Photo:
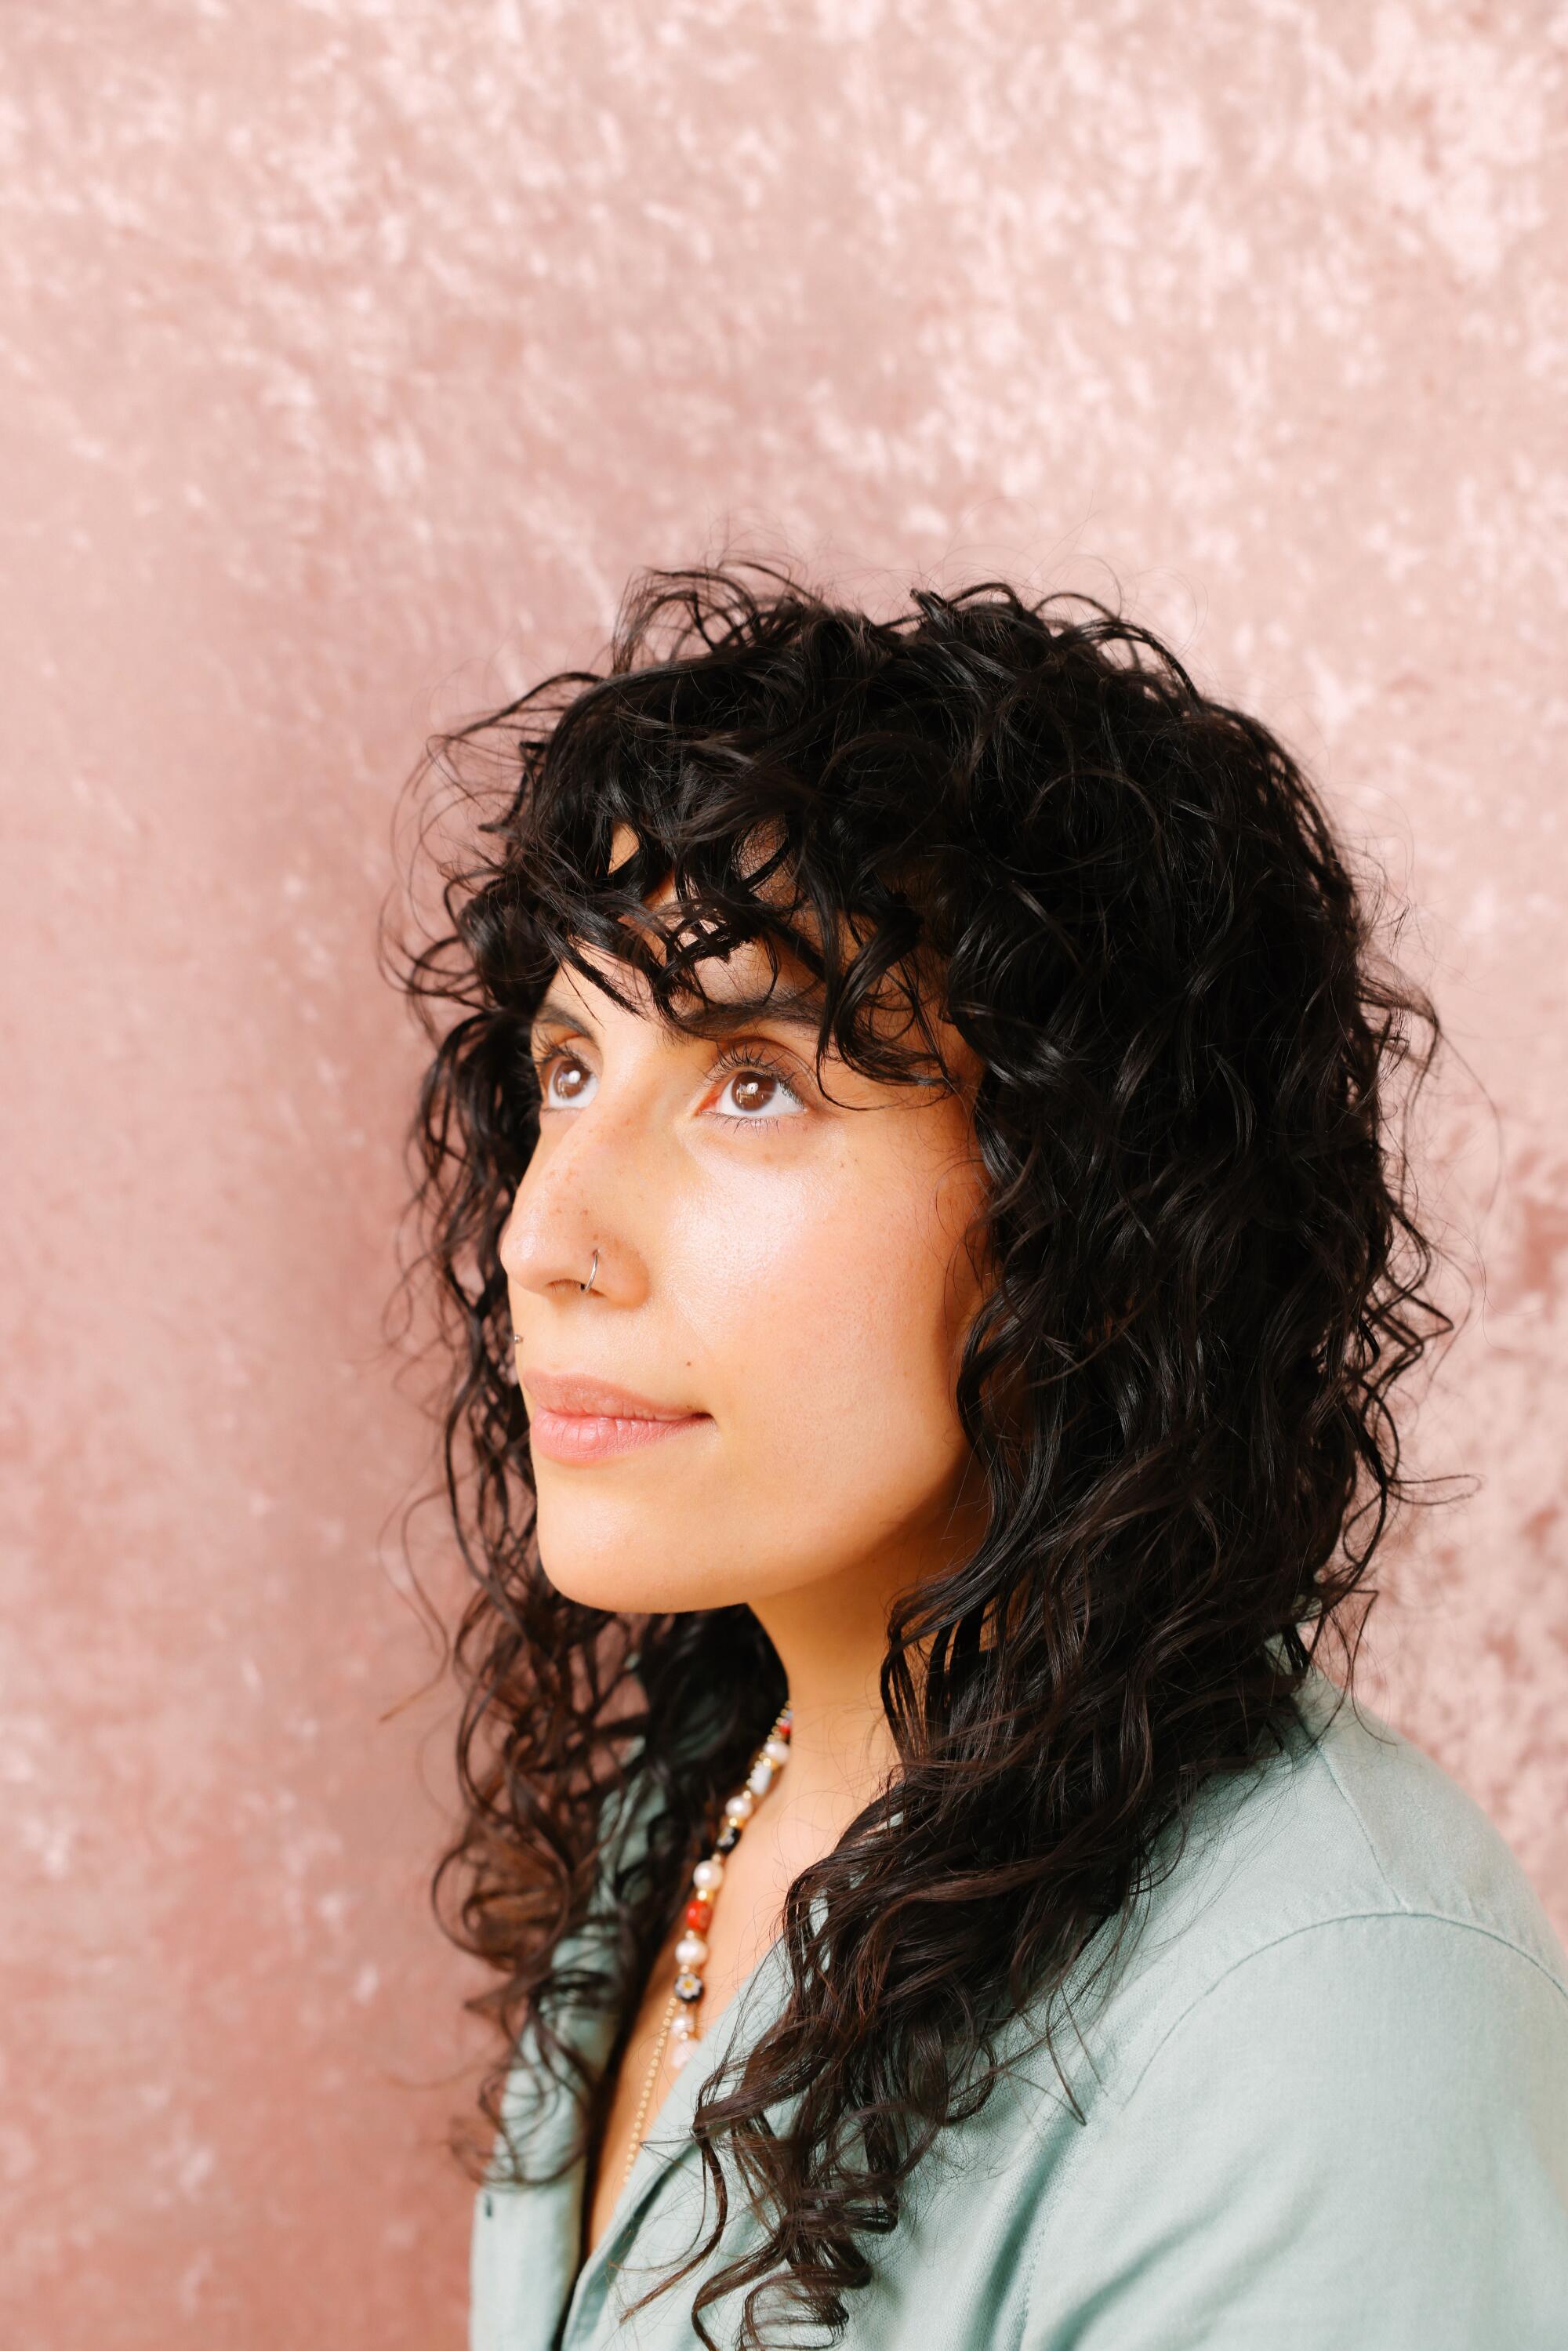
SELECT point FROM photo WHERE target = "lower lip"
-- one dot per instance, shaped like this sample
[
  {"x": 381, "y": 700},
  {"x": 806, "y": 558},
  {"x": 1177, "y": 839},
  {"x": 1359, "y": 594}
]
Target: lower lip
[{"x": 600, "y": 1436}]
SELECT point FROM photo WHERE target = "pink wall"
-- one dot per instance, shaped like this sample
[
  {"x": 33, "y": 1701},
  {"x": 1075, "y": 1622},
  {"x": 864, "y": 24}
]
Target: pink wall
[{"x": 353, "y": 354}]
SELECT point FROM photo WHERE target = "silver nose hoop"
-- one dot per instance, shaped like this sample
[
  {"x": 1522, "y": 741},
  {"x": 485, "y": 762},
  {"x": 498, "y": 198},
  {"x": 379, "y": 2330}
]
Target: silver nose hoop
[{"x": 593, "y": 1275}]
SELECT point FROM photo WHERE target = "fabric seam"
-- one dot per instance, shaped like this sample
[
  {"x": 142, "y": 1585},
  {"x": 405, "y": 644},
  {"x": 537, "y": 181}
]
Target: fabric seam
[
  {"x": 1275, "y": 1942},
  {"x": 1317, "y": 1926},
  {"x": 1356, "y": 1815}
]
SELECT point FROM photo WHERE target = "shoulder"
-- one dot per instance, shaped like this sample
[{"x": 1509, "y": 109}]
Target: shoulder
[
  {"x": 1330, "y": 2086},
  {"x": 1351, "y": 1862},
  {"x": 1352, "y": 1782}
]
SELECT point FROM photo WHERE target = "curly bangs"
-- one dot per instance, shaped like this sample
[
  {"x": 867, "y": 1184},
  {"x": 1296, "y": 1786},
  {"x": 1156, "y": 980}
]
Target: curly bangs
[{"x": 1206, "y": 1277}]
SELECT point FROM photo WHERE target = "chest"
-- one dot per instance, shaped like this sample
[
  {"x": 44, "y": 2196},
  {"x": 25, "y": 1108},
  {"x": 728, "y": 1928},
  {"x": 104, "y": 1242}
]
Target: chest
[
  {"x": 744, "y": 1926},
  {"x": 954, "y": 2275},
  {"x": 622, "y": 2130}
]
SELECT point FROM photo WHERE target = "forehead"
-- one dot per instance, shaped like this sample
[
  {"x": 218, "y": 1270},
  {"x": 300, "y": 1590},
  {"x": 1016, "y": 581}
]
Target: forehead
[
  {"x": 745, "y": 977},
  {"x": 736, "y": 986},
  {"x": 749, "y": 974}
]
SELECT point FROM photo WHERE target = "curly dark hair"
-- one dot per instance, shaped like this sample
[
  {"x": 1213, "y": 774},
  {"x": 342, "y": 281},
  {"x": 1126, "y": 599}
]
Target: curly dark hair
[{"x": 1208, "y": 1278}]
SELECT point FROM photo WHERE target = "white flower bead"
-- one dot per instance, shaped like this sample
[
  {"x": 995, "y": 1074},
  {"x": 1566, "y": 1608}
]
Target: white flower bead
[
  {"x": 709, "y": 1874},
  {"x": 761, "y": 1779}
]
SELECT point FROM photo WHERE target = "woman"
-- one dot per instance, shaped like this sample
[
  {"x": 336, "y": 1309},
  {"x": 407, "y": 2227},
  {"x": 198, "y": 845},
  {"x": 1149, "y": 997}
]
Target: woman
[{"x": 914, "y": 1180}]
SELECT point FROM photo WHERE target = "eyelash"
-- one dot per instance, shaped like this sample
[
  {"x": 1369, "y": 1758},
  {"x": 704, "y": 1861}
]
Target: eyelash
[{"x": 731, "y": 1057}]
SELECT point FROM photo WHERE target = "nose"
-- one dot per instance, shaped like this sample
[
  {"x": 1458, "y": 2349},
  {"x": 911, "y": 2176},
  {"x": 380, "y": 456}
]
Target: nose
[
  {"x": 551, "y": 1253},
  {"x": 573, "y": 1200}
]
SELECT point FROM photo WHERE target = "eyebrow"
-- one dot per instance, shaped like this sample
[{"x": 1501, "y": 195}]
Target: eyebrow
[{"x": 721, "y": 1018}]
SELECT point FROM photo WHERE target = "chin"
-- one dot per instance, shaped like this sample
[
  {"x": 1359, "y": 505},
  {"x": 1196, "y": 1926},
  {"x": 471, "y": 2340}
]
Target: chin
[
  {"x": 605, "y": 1560},
  {"x": 623, "y": 1589}
]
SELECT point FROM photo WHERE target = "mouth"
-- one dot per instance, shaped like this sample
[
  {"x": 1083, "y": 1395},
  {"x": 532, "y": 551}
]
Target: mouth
[{"x": 574, "y": 1418}]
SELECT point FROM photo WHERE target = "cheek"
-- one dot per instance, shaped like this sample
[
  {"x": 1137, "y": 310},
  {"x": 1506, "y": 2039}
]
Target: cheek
[
  {"x": 830, "y": 1327},
  {"x": 818, "y": 1312}
]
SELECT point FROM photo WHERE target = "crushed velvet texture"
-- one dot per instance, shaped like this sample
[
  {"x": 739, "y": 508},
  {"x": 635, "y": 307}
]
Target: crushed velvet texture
[{"x": 353, "y": 357}]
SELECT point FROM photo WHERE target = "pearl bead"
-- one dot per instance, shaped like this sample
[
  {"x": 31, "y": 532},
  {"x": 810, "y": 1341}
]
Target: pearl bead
[
  {"x": 691, "y": 1951},
  {"x": 776, "y": 1749},
  {"x": 741, "y": 1807},
  {"x": 709, "y": 1874},
  {"x": 681, "y": 2050}
]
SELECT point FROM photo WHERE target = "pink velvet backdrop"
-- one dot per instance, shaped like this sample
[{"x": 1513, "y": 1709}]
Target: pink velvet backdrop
[{"x": 353, "y": 355}]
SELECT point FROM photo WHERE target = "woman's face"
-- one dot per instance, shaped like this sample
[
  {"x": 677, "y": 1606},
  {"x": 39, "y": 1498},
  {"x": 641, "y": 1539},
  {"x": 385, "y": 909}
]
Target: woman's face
[{"x": 784, "y": 1274}]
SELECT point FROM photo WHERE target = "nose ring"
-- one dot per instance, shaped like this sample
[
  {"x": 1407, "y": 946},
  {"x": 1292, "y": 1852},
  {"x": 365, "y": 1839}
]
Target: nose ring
[{"x": 592, "y": 1276}]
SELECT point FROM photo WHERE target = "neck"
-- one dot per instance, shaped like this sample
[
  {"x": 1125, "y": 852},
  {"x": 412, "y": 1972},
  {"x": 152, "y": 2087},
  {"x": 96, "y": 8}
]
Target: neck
[{"x": 830, "y": 1639}]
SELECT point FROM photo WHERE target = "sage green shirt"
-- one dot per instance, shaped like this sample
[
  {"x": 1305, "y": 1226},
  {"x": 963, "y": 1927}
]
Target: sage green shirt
[{"x": 1325, "y": 2100}]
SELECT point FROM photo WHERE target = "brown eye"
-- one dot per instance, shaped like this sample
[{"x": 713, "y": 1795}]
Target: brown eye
[
  {"x": 563, "y": 1080},
  {"x": 761, "y": 1094},
  {"x": 752, "y": 1091}
]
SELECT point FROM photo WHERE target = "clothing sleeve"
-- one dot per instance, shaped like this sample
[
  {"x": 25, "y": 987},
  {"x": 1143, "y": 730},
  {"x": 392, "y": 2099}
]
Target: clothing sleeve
[{"x": 1356, "y": 2140}]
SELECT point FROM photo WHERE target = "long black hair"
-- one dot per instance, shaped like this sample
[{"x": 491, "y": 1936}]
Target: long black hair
[{"x": 1208, "y": 1278}]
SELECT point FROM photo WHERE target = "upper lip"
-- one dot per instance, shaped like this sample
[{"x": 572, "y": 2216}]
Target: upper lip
[{"x": 577, "y": 1392}]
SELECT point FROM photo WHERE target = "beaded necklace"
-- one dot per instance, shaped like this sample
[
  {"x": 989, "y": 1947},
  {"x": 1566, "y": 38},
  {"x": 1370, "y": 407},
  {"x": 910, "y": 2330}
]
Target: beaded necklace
[{"x": 692, "y": 1950}]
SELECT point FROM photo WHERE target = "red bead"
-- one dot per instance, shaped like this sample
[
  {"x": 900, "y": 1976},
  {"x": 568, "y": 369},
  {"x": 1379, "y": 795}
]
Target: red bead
[{"x": 698, "y": 1912}]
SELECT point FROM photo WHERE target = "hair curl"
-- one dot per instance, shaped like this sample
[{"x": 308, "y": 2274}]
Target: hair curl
[{"x": 1208, "y": 1279}]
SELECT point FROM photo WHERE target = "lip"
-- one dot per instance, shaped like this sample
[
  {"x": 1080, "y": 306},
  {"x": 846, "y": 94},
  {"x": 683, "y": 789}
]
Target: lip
[{"x": 573, "y": 1416}]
